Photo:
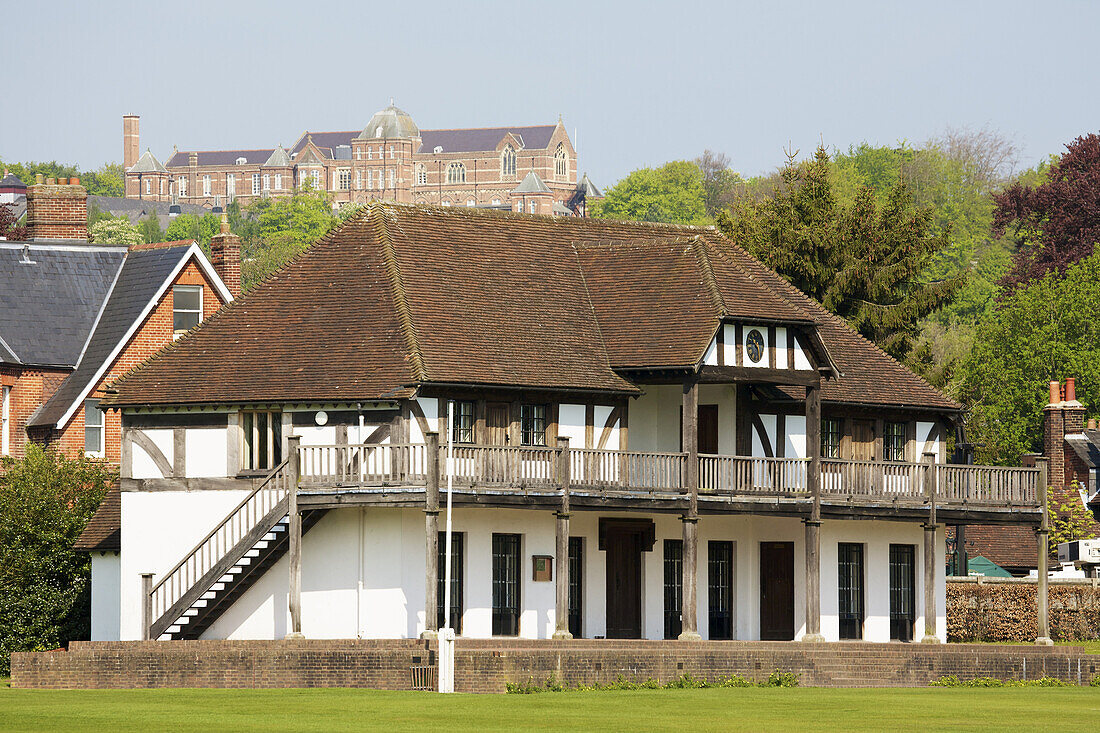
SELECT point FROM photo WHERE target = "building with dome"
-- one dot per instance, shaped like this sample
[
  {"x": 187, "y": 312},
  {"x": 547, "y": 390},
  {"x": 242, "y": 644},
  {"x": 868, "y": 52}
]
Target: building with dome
[{"x": 531, "y": 169}]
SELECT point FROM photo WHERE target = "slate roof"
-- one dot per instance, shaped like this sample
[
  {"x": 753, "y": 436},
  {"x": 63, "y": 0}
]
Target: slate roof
[
  {"x": 531, "y": 183},
  {"x": 143, "y": 274},
  {"x": 588, "y": 188},
  {"x": 137, "y": 209},
  {"x": 147, "y": 163},
  {"x": 391, "y": 122},
  {"x": 47, "y": 308},
  {"x": 1087, "y": 446},
  {"x": 104, "y": 530},
  {"x": 181, "y": 159},
  {"x": 401, "y": 296},
  {"x": 327, "y": 140},
  {"x": 12, "y": 181},
  {"x": 278, "y": 158},
  {"x": 484, "y": 138}
]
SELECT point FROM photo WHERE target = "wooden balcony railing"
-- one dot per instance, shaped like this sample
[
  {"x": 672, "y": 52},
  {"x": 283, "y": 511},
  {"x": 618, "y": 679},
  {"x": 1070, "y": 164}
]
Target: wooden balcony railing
[{"x": 536, "y": 468}]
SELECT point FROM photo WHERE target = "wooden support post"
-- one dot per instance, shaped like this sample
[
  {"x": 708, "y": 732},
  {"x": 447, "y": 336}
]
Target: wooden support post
[
  {"x": 431, "y": 538},
  {"x": 146, "y": 605},
  {"x": 1042, "y": 536},
  {"x": 561, "y": 557},
  {"x": 813, "y": 523},
  {"x": 690, "y": 520},
  {"x": 929, "y": 477},
  {"x": 295, "y": 539}
]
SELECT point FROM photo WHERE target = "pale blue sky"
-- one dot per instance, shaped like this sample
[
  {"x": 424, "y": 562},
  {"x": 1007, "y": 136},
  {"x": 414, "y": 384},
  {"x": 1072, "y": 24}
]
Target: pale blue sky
[{"x": 642, "y": 82}]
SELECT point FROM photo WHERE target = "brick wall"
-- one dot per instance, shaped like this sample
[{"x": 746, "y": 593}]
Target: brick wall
[
  {"x": 57, "y": 211},
  {"x": 486, "y": 665},
  {"x": 29, "y": 388},
  {"x": 1005, "y": 609}
]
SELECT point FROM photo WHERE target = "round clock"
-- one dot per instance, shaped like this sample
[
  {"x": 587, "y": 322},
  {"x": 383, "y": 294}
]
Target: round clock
[
  {"x": 321, "y": 417},
  {"x": 754, "y": 346}
]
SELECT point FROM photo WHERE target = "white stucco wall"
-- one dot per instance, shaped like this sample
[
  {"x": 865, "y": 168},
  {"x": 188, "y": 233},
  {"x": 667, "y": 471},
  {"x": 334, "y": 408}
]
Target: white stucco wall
[
  {"x": 206, "y": 452},
  {"x": 143, "y": 464},
  {"x": 571, "y": 424},
  {"x": 655, "y": 417},
  {"x": 106, "y": 598},
  {"x": 363, "y": 569}
]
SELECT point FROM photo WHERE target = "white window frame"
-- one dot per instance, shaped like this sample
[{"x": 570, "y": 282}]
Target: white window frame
[
  {"x": 182, "y": 185},
  {"x": 162, "y": 187},
  {"x": 369, "y": 153},
  {"x": 278, "y": 181},
  {"x": 255, "y": 184},
  {"x": 206, "y": 184},
  {"x": 456, "y": 173},
  {"x": 230, "y": 184},
  {"x": 358, "y": 179},
  {"x": 343, "y": 176},
  {"x": 267, "y": 181},
  {"x": 532, "y": 207},
  {"x": 508, "y": 163},
  {"x": 315, "y": 176},
  {"x": 91, "y": 409},
  {"x": 393, "y": 178},
  {"x": 5, "y": 420},
  {"x": 148, "y": 187},
  {"x": 561, "y": 161},
  {"x": 191, "y": 290},
  {"x": 421, "y": 174}
]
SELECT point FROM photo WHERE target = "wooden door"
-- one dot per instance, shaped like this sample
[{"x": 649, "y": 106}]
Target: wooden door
[
  {"x": 498, "y": 422},
  {"x": 777, "y": 591},
  {"x": 863, "y": 440},
  {"x": 624, "y": 583},
  {"x": 708, "y": 429}
]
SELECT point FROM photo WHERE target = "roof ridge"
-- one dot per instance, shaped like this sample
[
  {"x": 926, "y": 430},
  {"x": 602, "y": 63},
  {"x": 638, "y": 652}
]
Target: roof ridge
[
  {"x": 698, "y": 246},
  {"x": 393, "y": 269},
  {"x": 509, "y": 128}
]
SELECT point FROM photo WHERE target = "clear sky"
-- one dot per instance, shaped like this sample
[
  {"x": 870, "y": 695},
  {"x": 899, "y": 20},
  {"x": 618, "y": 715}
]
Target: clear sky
[{"x": 641, "y": 82}]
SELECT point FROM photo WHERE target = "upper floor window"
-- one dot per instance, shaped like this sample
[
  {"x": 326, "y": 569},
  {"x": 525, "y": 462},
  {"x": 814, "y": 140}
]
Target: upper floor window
[
  {"x": 393, "y": 178},
  {"x": 315, "y": 176},
  {"x": 421, "y": 174},
  {"x": 93, "y": 428},
  {"x": 162, "y": 187},
  {"x": 358, "y": 179},
  {"x": 182, "y": 186},
  {"x": 561, "y": 161},
  {"x": 148, "y": 187},
  {"x": 391, "y": 152},
  {"x": 369, "y": 153},
  {"x": 456, "y": 173},
  {"x": 255, "y": 184},
  {"x": 230, "y": 184},
  {"x": 532, "y": 425},
  {"x": 893, "y": 441},
  {"x": 533, "y": 207},
  {"x": 241, "y": 161},
  {"x": 463, "y": 426},
  {"x": 261, "y": 440},
  {"x": 345, "y": 179},
  {"x": 206, "y": 185},
  {"x": 267, "y": 182},
  {"x": 508, "y": 162},
  {"x": 5, "y": 420},
  {"x": 830, "y": 437},
  {"x": 278, "y": 181},
  {"x": 186, "y": 307}
]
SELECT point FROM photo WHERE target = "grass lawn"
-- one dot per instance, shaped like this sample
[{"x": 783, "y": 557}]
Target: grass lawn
[{"x": 799, "y": 709}]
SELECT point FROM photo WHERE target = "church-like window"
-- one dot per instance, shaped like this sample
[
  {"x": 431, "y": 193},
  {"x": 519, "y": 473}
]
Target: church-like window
[
  {"x": 508, "y": 162},
  {"x": 456, "y": 173},
  {"x": 421, "y": 174},
  {"x": 561, "y": 162}
]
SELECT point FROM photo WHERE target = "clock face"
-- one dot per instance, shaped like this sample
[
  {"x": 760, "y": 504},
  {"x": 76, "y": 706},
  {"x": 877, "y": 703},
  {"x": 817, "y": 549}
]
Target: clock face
[{"x": 754, "y": 346}]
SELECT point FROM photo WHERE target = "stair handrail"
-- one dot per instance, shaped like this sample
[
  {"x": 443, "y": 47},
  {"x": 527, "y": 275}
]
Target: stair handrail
[{"x": 251, "y": 510}]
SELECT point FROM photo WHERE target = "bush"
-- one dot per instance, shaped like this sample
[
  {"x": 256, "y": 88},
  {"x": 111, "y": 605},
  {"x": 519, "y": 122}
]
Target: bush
[
  {"x": 683, "y": 682},
  {"x": 46, "y": 501},
  {"x": 952, "y": 680}
]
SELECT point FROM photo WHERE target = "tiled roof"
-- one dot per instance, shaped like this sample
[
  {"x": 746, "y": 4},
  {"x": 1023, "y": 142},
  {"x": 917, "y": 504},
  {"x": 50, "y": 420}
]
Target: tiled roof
[
  {"x": 1010, "y": 546},
  {"x": 147, "y": 163},
  {"x": 12, "y": 181},
  {"x": 531, "y": 183},
  {"x": 142, "y": 276},
  {"x": 484, "y": 138},
  {"x": 47, "y": 308},
  {"x": 182, "y": 158},
  {"x": 325, "y": 139},
  {"x": 104, "y": 530},
  {"x": 403, "y": 295}
]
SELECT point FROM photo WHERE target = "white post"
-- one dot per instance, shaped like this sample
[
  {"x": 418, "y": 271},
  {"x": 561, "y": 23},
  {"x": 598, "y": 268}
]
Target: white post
[{"x": 447, "y": 634}]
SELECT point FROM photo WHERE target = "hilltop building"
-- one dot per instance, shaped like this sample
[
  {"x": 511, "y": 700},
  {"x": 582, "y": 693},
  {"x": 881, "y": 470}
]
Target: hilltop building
[{"x": 520, "y": 168}]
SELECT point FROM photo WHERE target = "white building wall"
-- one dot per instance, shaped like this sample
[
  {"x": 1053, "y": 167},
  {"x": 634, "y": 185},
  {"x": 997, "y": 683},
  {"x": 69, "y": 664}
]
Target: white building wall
[
  {"x": 206, "y": 453},
  {"x": 654, "y": 423},
  {"x": 106, "y": 596},
  {"x": 571, "y": 424},
  {"x": 363, "y": 569}
]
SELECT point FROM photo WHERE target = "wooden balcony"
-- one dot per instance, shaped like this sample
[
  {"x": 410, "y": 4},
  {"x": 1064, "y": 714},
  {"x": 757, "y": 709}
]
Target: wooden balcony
[{"x": 522, "y": 475}]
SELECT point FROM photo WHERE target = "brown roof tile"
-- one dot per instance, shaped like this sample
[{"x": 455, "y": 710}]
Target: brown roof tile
[
  {"x": 104, "y": 530},
  {"x": 404, "y": 295}
]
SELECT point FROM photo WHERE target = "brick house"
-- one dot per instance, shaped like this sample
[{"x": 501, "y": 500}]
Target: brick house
[
  {"x": 653, "y": 435},
  {"x": 1072, "y": 449},
  {"x": 520, "y": 168},
  {"x": 76, "y": 315}
]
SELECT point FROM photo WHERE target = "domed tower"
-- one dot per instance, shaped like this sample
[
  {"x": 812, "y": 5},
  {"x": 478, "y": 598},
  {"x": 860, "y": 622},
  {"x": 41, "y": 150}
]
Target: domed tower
[{"x": 382, "y": 155}]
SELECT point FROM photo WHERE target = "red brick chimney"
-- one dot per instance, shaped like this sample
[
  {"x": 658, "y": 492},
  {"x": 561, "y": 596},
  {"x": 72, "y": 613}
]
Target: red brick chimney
[
  {"x": 130, "y": 141},
  {"x": 225, "y": 255},
  {"x": 57, "y": 209},
  {"x": 1063, "y": 416}
]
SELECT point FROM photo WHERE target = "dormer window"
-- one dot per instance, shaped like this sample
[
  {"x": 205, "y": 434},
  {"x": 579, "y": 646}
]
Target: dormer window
[
  {"x": 241, "y": 160},
  {"x": 508, "y": 162}
]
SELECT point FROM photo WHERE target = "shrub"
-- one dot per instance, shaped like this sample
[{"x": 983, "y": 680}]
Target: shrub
[
  {"x": 952, "y": 680},
  {"x": 45, "y": 590}
]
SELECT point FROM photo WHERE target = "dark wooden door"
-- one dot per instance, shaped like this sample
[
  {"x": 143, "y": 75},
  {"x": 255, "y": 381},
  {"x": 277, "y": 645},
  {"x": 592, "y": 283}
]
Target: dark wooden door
[
  {"x": 708, "y": 429},
  {"x": 863, "y": 440},
  {"x": 624, "y": 584},
  {"x": 777, "y": 591}
]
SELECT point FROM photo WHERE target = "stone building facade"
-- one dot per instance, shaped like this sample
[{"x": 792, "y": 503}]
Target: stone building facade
[{"x": 531, "y": 169}]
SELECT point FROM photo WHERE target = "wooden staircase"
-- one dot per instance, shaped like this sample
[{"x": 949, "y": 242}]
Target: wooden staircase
[{"x": 228, "y": 561}]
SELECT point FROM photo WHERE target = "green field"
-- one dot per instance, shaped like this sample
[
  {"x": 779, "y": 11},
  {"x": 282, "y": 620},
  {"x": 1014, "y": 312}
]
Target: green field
[{"x": 265, "y": 711}]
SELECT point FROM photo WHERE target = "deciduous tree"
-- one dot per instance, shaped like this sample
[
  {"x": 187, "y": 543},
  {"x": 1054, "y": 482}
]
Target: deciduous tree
[
  {"x": 115, "y": 231},
  {"x": 672, "y": 194}
]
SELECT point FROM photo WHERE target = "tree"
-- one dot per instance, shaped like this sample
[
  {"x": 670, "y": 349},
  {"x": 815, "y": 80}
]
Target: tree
[
  {"x": 9, "y": 228},
  {"x": 107, "y": 180},
  {"x": 274, "y": 230},
  {"x": 115, "y": 231},
  {"x": 1058, "y": 219},
  {"x": 1046, "y": 330},
  {"x": 720, "y": 182},
  {"x": 150, "y": 229},
  {"x": 673, "y": 194},
  {"x": 46, "y": 501},
  {"x": 192, "y": 226},
  {"x": 1069, "y": 519},
  {"x": 863, "y": 261}
]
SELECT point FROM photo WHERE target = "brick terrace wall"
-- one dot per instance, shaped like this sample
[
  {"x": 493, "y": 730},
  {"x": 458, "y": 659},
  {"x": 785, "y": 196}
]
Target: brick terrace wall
[
  {"x": 1005, "y": 609},
  {"x": 486, "y": 665},
  {"x": 30, "y": 388}
]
